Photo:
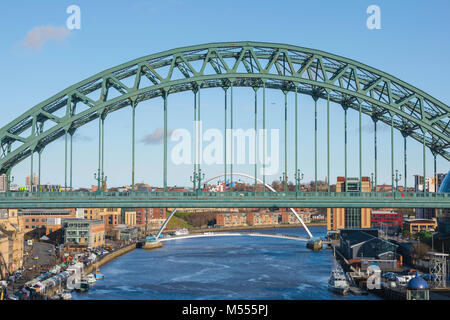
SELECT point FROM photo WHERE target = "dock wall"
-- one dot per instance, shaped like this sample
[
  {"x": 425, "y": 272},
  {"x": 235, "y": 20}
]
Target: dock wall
[{"x": 109, "y": 257}]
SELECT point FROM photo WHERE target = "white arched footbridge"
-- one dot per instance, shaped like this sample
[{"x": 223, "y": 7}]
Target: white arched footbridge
[
  {"x": 234, "y": 234},
  {"x": 241, "y": 175}
]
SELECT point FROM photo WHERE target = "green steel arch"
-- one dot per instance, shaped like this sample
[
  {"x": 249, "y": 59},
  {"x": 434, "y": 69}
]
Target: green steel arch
[{"x": 246, "y": 64}]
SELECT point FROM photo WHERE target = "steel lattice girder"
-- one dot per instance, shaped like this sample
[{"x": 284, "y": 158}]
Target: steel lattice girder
[{"x": 245, "y": 64}]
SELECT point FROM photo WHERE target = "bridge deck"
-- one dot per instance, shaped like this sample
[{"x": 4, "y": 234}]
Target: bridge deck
[{"x": 223, "y": 200}]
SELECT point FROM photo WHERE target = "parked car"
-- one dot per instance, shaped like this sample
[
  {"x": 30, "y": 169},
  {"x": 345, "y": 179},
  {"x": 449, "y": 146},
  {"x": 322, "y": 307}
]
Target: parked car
[
  {"x": 404, "y": 279},
  {"x": 390, "y": 276}
]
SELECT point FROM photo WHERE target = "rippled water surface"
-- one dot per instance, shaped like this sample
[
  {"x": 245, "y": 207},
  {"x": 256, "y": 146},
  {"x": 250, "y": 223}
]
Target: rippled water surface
[{"x": 221, "y": 268}]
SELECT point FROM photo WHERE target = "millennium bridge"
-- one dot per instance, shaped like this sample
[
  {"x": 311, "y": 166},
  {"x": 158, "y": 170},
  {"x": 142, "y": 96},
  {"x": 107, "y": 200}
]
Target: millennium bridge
[{"x": 233, "y": 234}]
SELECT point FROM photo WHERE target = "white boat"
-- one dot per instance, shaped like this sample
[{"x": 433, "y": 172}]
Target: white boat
[
  {"x": 338, "y": 283},
  {"x": 90, "y": 278},
  {"x": 181, "y": 232}
]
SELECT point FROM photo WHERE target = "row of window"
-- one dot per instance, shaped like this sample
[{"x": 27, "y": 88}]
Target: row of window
[{"x": 35, "y": 220}]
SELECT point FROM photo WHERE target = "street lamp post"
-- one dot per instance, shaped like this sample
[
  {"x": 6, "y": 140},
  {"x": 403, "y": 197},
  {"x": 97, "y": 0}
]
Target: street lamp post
[
  {"x": 298, "y": 178},
  {"x": 197, "y": 179},
  {"x": 283, "y": 181},
  {"x": 398, "y": 177},
  {"x": 374, "y": 187},
  {"x": 101, "y": 179},
  {"x": 193, "y": 180}
]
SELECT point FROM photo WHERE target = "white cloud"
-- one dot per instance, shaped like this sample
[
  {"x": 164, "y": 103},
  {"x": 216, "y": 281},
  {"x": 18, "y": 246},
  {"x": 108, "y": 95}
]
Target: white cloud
[
  {"x": 38, "y": 36},
  {"x": 156, "y": 137}
]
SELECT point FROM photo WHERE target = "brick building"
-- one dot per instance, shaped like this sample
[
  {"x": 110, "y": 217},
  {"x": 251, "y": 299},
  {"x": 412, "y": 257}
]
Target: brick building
[
  {"x": 231, "y": 219},
  {"x": 386, "y": 218},
  {"x": 37, "y": 218},
  {"x": 262, "y": 218}
]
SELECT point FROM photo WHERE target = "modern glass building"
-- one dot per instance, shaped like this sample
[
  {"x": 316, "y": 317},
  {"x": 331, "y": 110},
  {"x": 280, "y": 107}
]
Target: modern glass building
[
  {"x": 444, "y": 219},
  {"x": 445, "y": 186}
]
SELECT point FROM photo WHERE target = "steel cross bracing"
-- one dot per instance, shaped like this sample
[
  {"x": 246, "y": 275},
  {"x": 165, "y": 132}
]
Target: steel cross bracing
[{"x": 246, "y": 64}]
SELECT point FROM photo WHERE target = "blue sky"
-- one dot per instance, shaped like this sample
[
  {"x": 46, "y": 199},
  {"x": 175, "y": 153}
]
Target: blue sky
[{"x": 412, "y": 45}]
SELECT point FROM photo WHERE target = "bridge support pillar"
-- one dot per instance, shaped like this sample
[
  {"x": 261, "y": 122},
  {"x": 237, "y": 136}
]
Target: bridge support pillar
[
  {"x": 296, "y": 174},
  {"x": 328, "y": 140},
  {"x": 392, "y": 150},
  {"x": 165, "y": 141},
  {"x": 375, "y": 151},
  {"x": 256, "y": 138},
  {"x": 360, "y": 150},
  {"x": 424, "y": 164},
  {"x": 264, "y": 136},
  {"x": 315, "y": 143},
  {"x": 345, "y": 146}
]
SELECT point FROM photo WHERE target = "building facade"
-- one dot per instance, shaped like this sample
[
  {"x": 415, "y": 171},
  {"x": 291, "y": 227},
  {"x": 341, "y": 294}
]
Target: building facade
[
  {"x": 37, "y": 218},
  {"x": 386, "y": 218},
  {"x": 84, "y": 232},
  {"x": 231, "y": 219},
  {"x": 419, "y": 225},
  {"x": 262, "y": 218},
  {"x": 348, "y": 218},
  {"x": 130, "y": 218},
  {"x": 3, "y": 183},
  {"x": 11, "y": 242},
  {"x": 432, "y": 185},
  {"x": 53, "y": 224}
]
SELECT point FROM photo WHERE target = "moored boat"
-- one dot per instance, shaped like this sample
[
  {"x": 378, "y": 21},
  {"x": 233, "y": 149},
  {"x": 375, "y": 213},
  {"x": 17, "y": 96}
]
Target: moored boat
[
  {"x": 90, "y": 278},
  {"x": 83, "y": 285},
  {"x": 338, "y": 283},
  {"x": 181, "y": 232}
]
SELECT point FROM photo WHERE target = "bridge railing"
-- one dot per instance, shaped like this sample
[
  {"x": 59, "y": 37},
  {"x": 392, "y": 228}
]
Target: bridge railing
[{"x": 221, "y": 195}]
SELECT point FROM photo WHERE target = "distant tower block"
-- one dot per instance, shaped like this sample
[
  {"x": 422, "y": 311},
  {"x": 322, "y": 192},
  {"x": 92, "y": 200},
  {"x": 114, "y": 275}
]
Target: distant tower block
[{"x": 438, "y": 269}]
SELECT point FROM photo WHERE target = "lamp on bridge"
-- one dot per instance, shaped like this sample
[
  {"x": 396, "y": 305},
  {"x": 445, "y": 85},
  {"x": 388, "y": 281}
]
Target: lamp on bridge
[
  {"x": 397, "y": 178},
  {"x": 372, "y": 182},
  {"x": 101, "y": 181},
  {"x": 198, "y": 177},
  {"x": 298, "y": 178},
  {"x": 283, "y": 181}
]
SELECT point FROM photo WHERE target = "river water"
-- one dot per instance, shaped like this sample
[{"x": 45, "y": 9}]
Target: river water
[{"x": 221, "y": 268}]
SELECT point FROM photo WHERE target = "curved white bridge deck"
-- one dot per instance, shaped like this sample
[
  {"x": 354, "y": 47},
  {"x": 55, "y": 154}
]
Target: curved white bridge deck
[{"x": 233, "y": 234}]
